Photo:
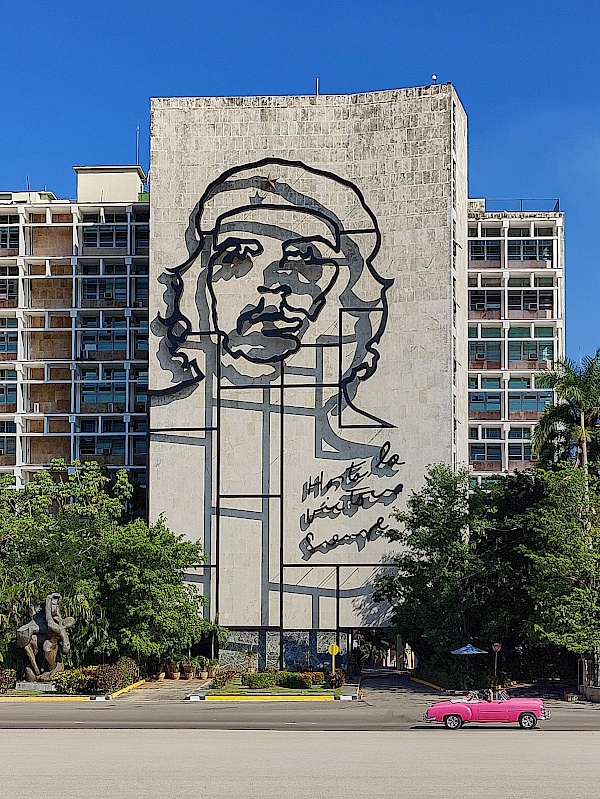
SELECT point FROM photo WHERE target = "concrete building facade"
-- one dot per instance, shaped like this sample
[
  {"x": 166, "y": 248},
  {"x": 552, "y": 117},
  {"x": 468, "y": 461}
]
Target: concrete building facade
[
  {"x": 74, "y": 324},
  {"x": 308, "y": 345},
  {"x": 516, "y": 328}
]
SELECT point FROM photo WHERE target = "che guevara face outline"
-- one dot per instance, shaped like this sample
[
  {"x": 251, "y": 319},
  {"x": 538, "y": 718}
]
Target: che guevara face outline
[{"x": 267, "y": 283}]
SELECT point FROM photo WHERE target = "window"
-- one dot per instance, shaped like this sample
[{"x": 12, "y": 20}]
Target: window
[
  {"x": 102, "y": 393},
  {"x": 519, "y": 432},
  {"x": 517, "y": 232},
  {"x": 115, "y": 322},
  {"x": 473, "y": 331},
  {"x": 484, "y": 250},
  {"x": 519, "y": 382},
  {"x": 492, "y": 432},
  {"x": 8, "y": 289},
  {"x": 115, "y": 269},
  {"x": 105, "y": 289},
  {"x": 473, "y": 232},
  {"x": 103, "y": 341},
  {"x": 8, "y": 269},
  {"x": 115, "y": 217},
  {"x": 8, "y": 445},
  {"x": 544, "y": 231},
  {"x": 484, "y": 402},
  {"x": 490, "y": 382},
  {"x": 8, "y": 321},
  {"x": 484, "y": 300},
  {"x": 105, "y": 445},
  {"x": 105, "y": 236},
  {"x": 140, "y": 342},
  {"x": 491, "y": 280},
  {"x": 88, "y": 425},
  {"x": 491, "y": 231},
  {"x": 472, "y": 280},
  {"x": 485, "y": 452},
  {"x": 473, "y": 432},
  {"x": 529, "y": 401},
  {"x": 491, "y": 332},
  {"x": 8, "y": 427},
  {"x": 141, "y": 288},
  {"x": 530, "y": 350},
  {"x": 519, "y": 452},
  {"x": 484, "y": 351},
  {"x": 8, "y": 394},
  {"x": 9, "y": 219},
  {"x": 543, "y": 332},
  {"x": 142, "y": 236},
  {"x": 139, "y": 426},
  {"x": 140, "y": 446},
  {"x": 519, "y": 332},
  {"x": 531, "y": 250},
  {"x": 8, "y": 342},
  {"x": 113, "y": 426},
  {"x": 518, "y": 281},
  {"x": 9, "y": 238},
  {"x": 8, "y": 374},
  {"x": 88, "y": 268},
  {"x": 543, "y": 281},
  {"x": 530, "y": 300},
  {"x": 473, "y": 382}
]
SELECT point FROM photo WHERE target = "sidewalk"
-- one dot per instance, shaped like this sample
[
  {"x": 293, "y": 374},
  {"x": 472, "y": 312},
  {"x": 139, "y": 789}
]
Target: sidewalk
[{"x": 159, "y": 690}]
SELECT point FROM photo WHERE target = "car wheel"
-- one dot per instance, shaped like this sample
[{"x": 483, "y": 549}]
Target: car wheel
[
  {"x": 453, "y": 722},
  {"x": 527, "y": 721}
]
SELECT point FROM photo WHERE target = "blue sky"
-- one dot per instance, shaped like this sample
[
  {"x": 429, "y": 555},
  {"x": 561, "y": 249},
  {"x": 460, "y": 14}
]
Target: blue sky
[{"x": 78, "y": 75}]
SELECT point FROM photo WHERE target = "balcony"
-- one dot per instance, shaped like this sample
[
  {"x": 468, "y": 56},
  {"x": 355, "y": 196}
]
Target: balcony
[
  {"x": 488, "y": 365},
  {"x": 104, "y": 460},
  {"x": 486, "y": 466},
  {"x": 524, "y": 416},
  {"x": 486, "y": 314},
  {"x": 8, "y": 407},
  {"x": 520, "y": 466},
  {"x": 8, "y": 356},
  {"x": 9, "y": 252},
  {"x": 103, "y": 355},
  {"x": 483, "y": 415},
  {"x": 485, "y": 265},
  {"x": 527, "y": 314},
  {"x": 538, "y": 365}
]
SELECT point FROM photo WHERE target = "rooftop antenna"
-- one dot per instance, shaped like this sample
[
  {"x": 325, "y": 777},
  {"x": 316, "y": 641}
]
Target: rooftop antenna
[
  {"x": 317, "y": 87},
  {"x": 137, "y": 143},
  {"x": 28, "y": 188},
  {"x": 434, "y": 79}
]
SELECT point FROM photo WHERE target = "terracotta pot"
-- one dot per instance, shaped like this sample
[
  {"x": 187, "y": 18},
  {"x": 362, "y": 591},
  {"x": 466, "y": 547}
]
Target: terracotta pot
[
  {"x": 159, "y": 676},
  {"x": 172, "y": 675},
  {"x": 204, "y": 675}
]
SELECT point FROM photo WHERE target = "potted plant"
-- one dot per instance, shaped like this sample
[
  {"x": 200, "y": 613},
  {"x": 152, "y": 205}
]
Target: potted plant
[
  {"x": 189, "y": 667},
  {"x": 202, "y": 667},
  {"x": 213, "y": 667},
  {"x": 173, "y": 672}
]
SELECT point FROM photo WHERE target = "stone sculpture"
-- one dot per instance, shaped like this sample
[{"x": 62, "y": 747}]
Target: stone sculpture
[{"x": 47, "y": 631}]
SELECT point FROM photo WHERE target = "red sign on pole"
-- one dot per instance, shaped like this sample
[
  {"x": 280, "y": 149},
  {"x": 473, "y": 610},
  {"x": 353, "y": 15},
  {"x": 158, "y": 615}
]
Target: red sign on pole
[{"x": 496, "y": 647}]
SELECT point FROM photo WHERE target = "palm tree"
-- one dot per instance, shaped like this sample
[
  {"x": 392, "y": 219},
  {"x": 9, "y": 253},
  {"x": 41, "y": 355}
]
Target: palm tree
[{"x": 570, "y": 428}]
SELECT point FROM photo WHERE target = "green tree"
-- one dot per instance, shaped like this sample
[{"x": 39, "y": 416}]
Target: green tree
[
  {"x": 565, "y": 585},
  {"x": 122, "y": 580},
  {"x": 570, "y": 428}
]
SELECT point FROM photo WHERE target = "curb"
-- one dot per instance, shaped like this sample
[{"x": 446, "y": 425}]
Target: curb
[
  {"x": 266, "y": 698},
  {"x": 127, "y": 688},
  {"x": 428, "y": 684},
  {"x": 49, "y": 698}
]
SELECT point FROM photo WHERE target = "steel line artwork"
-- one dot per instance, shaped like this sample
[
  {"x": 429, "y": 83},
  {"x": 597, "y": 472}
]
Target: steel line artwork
[{"x": 281, "y": 263}]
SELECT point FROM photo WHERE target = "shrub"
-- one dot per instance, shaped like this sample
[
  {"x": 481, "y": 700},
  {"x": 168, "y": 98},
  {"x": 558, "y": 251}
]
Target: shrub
[
  {"x": 109, "y": 678},
  {"x": 337, "y": 678},
  {"x": 74, "y": 681},
  {"x": 293, "y": 679},
  {"x": 223, "y": 677},
  {"x": 263, "y": 679},
  {"x": 7, "y": 679}
]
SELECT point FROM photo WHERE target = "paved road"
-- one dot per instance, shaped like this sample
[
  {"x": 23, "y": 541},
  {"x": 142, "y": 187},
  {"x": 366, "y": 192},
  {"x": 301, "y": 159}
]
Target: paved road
[
  {"x": 391, "y": 703},
  {"x": 180, "y": 764}
]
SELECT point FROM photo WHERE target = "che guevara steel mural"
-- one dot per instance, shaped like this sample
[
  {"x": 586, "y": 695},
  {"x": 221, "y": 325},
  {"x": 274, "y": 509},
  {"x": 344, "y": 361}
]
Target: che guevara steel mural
[{"x": 279, "y": 309}]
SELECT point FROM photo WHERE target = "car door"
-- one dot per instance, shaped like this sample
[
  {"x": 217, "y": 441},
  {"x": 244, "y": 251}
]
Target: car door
[{"x": 496, "y": 710}]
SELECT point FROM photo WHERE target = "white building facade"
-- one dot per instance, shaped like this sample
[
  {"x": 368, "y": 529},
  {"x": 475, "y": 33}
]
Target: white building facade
[{"x": 308, "y": 345}]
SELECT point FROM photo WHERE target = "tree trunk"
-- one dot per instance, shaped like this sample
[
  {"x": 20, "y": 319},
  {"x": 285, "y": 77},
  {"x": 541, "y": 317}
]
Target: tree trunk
[{"x": 584, "y": 454}]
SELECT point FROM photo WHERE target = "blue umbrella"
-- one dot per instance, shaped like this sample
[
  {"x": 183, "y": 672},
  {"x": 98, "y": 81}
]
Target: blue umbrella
[{"x": 469, "y": 649}]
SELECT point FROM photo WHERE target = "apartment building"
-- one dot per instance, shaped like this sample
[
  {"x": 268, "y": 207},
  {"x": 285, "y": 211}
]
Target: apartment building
[
  {"x": 516, "y": 328},
  {"x": 74, "y": 324}
]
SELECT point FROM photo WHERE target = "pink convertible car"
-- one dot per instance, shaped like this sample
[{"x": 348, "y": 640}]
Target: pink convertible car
[{"x": 456, "y": 712}]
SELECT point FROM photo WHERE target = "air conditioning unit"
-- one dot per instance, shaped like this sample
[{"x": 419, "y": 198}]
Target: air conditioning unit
[
  {"x": 531, "y": 306},
  {"x": 36, "y": 407},
  {"x": 532, "y": 356},
  {"x": 480, "y": 306},
  {"x": 480, "y": 356},
  {"x": 108, "y": 295},
  {"x": 110, "y": 407}
]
